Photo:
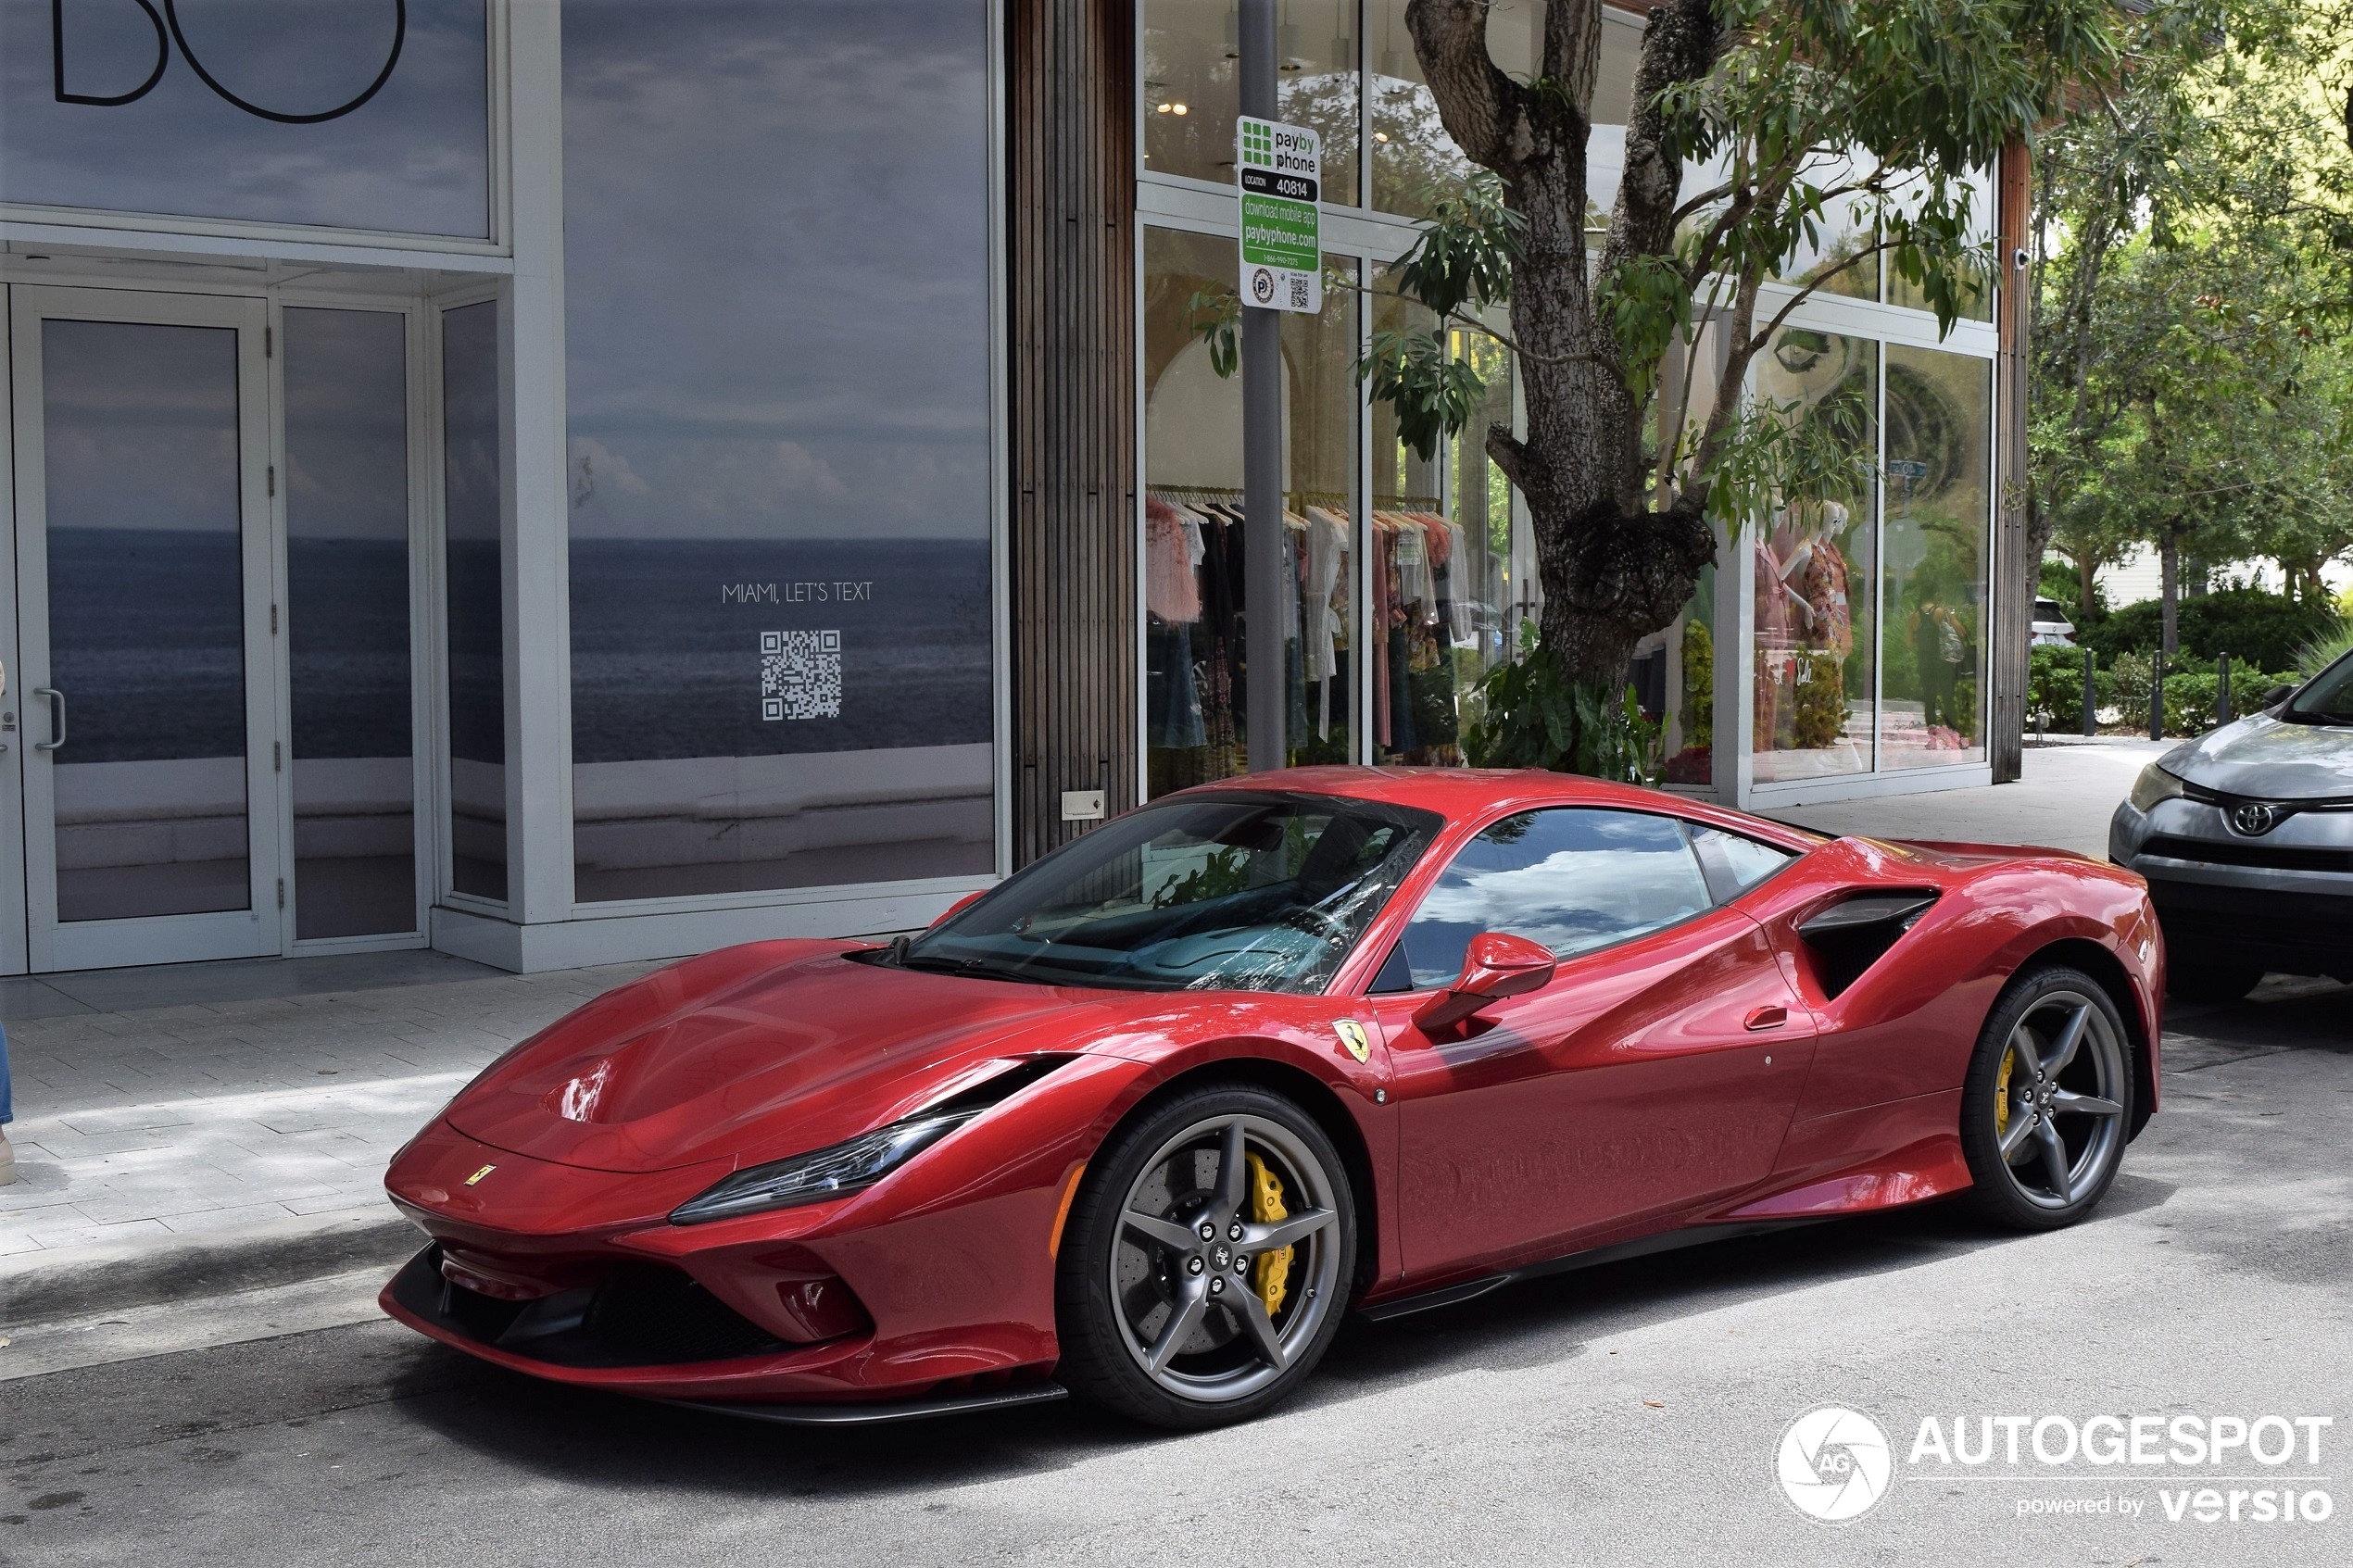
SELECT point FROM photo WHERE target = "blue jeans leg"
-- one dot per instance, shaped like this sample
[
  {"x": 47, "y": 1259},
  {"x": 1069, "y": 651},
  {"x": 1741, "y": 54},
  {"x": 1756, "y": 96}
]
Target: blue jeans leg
[{"x": 8, "y": 1111}]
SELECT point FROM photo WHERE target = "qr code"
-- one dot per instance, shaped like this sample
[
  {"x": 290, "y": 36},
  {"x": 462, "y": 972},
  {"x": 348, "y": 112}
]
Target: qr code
[
  {"x": 801, "y": 675},
  {"x": 1299, "y": 292}
]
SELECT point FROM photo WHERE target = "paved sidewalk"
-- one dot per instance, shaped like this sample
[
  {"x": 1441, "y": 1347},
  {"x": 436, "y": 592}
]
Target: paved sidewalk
[
  {"x": 141, "y": 1122},
  {"x": 2064, "y": 801}
]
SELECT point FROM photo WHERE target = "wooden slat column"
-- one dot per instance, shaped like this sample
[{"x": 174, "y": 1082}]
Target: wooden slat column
[
  {"x": 2016, "y": 579},
  {"x": 1070, "y": 227}
]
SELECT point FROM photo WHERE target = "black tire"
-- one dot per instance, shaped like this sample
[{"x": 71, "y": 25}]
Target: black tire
[
  {"x": 2086, "y": 1103},
  {"x": 2210, "y": 979},
  {"x": 1120, "y": 1292}
]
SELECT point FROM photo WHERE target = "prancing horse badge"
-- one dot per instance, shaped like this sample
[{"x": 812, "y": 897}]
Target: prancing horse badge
[{"x": 1351, "y": 1035}]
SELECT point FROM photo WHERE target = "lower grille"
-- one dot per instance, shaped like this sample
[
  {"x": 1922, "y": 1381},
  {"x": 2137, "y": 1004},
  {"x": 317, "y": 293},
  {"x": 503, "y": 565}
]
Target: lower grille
[
  {"x": 638, "y": 1316},
  {"x": 2265, "y": 857}
]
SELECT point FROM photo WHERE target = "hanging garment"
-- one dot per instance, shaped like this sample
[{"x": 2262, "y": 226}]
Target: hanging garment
[
  {"x": 1172, "y": 587},
  {"x": 1461, "y": 592},
  {"x": 1326, "y": 622},
  {"x": 1416, "y": 586},
  {"x": 1173, "y": 716}
]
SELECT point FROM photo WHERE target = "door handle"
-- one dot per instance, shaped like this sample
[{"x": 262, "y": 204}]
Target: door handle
[
  {"x": 56, "y": 719},
  {"x": 1766, "y": 1018}
]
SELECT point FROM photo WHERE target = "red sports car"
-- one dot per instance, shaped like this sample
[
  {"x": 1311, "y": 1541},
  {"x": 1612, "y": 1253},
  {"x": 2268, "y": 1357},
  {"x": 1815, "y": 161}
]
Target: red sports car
[{"x": 1146, "y": 1120}]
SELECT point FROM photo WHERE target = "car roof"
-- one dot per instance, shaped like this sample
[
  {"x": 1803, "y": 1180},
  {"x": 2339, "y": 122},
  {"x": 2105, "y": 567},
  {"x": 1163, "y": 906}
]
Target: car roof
[{"x": 1459, "y": 793}]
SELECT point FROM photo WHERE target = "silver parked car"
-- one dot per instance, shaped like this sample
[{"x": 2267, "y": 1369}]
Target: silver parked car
[{"x": 2245, "y": 837}]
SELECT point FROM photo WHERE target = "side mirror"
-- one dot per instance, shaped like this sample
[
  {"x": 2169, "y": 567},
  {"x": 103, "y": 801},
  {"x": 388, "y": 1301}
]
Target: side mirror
[
  {"x": 1495, "y": 966},
  {"x": 2276, "y": 695}
]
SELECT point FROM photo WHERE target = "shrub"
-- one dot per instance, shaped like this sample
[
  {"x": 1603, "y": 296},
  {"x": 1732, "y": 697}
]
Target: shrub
[
  {"x": 2254, "y": 627},
  {"x": 2054, "y": 687}
]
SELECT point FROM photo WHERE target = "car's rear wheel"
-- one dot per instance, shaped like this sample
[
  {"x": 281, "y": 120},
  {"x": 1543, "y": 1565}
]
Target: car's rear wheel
[
  {"x": 2210, "y": 979},
  {"x": 2047, "y": 1107},
  {"x": 1207, "y": 1260}
]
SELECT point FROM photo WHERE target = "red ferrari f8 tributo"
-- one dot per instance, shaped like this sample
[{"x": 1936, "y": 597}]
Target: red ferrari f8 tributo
[{"x": 1148, "y": 1119}]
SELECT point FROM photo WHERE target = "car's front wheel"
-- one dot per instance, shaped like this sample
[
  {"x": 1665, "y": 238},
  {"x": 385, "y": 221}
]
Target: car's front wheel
[
  {"x": 2047, "y": 1107},
  {"x": 1207, "y": 1260}
]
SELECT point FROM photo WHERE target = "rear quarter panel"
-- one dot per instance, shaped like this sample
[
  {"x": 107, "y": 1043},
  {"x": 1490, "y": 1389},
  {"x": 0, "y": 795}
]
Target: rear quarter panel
[{"x": 1907, "y": 1027}]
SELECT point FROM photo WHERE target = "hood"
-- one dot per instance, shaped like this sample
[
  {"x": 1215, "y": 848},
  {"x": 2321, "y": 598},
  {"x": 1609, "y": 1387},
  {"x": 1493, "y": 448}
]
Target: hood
[
  {"x": 752, "y": 1054},
  {"x": 2265, "y": 758}
]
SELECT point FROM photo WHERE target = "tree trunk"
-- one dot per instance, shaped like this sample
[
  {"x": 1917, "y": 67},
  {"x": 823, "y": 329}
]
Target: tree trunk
[
  {"x": 2083, "y": 569},
  {"x": 1612, "y": 569},
  {"x": 2169, "y": 556}
]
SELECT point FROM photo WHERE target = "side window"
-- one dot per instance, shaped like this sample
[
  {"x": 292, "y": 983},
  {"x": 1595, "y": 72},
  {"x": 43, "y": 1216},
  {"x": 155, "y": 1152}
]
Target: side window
[
  {"x": 1571, "y": 879},
  {"x": 1734, "y": 863}
]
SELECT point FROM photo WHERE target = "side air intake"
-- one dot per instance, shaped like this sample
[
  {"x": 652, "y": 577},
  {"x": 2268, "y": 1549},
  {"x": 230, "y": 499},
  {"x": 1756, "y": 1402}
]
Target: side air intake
[{"x": 1856, "y": 933}]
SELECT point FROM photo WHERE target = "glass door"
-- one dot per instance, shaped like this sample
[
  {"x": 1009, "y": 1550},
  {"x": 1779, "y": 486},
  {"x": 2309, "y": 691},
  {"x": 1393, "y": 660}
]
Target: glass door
[{"x": 146, "y": 690}]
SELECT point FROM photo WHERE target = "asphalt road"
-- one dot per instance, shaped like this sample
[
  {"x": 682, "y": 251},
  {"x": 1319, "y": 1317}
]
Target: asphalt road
[{"x": 1627, "y": 1414}]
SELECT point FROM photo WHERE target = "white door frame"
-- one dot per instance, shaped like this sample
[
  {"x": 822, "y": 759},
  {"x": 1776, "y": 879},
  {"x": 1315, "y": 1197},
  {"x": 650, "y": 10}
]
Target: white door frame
[{"x": 258, "y": 929}]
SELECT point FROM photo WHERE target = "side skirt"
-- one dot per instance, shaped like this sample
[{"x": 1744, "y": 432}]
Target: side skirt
[
  {"x": 1641, "y": 1247},
  {"x": 859, "y": 1414}
]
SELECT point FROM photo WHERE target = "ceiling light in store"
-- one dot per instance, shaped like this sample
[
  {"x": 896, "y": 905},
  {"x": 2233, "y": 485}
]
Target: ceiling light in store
[{"x": 1177, "y": 108}]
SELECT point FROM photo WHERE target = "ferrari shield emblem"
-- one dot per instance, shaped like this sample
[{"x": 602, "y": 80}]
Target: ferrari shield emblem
[
  {"x": 1351, "y": 1035},
  {"x": 476, "y": 1178}
]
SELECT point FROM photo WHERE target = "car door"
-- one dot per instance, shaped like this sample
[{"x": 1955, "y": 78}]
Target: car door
[{"x": 1657, "y": 1070}]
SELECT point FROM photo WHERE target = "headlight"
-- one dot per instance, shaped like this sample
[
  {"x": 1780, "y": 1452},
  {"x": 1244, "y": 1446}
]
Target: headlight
[
  {"x": 827, "y": 1173},
  {"x": 2155, "y": 784},
  {"x": 858, "y": 1162}
]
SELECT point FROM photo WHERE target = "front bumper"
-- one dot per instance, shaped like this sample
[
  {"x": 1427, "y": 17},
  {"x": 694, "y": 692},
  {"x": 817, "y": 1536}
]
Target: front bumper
[
  {"x": 2278, "y": 900},
  {"x": 937, "y": 1283}
]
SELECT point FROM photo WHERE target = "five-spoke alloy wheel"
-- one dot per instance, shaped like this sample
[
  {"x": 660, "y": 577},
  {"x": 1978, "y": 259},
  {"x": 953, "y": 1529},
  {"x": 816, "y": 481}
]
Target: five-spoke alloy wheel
[
  {"x": 2047, "y": 1106},
  {"x": 1207, "y": 1260}
]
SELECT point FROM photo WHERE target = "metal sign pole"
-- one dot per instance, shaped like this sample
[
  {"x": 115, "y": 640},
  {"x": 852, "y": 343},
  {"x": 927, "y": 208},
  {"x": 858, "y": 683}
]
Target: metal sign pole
[{"x": 1263, "y": 575}]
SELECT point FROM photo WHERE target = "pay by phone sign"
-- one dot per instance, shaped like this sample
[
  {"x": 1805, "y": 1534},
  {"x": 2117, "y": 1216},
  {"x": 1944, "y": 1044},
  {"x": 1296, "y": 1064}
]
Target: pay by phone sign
[{"x": 1280, "y": 170}]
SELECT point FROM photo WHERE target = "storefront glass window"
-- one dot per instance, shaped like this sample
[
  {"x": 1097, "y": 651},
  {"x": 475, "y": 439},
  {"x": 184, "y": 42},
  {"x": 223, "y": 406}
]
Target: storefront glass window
[
  {"x": 1940, "y": 409},
  {"x": 1978, "y": 302},
  {"x": 253, "y": 110},
  {"x": 780, "y": 444},
  {"x": 1195, "y": 707},
  {"x": 1441, "y": 545},
  {"x": 1192, "y": 96},
  {"x": 1814, "y": 567},
  {"x": 1411, "y": 155},
  {"x": 347, "y": 413},
  {"x": 1840, "y": 255},
  {"x": 472, "y": 503},
  {"x": 146, "y": 618}
]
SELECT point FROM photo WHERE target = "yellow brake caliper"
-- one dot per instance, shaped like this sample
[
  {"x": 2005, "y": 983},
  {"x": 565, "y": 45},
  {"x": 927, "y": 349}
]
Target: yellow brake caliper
[
  {"x": 1267, "y": 1206},
  {"x": 2002, "y": 1096}
]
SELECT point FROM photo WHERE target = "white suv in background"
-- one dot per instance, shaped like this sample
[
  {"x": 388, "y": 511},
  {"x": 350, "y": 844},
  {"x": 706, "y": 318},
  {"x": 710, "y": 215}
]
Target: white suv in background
[{"x": 2050, "y": 626}]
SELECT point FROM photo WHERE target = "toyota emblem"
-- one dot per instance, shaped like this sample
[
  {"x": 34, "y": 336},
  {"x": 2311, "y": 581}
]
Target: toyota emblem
[{"x": 2254, "y": 819}]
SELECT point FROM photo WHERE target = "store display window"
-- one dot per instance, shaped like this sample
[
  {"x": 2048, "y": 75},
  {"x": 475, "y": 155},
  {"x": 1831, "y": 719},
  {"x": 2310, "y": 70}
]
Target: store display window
[
  {"x": 1940, "y": 417},
  {"x": 1814, "y": 564},
  {"x": 1197, "y": 641}
]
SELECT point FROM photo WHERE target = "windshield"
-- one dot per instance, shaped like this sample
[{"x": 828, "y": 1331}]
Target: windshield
[
  {"x": 2327, "y": 698},
  {"x": 1214, "y": 892}
]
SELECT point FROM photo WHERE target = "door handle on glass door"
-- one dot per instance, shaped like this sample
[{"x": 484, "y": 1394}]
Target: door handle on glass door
[
  {"x": 1767, "y": 1018},
  {"x": 56, "y": 719}
]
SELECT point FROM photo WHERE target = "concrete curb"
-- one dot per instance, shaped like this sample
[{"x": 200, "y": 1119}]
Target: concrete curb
[{"x": 79, "y": 1282}]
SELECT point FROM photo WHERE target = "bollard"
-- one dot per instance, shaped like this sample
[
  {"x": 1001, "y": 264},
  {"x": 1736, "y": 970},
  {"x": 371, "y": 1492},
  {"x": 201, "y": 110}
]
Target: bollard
[
  {"x": 2221, "y": 689},
  {"x": 2157, "y": 695},
  {"x": 2090, "y": 698}
]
